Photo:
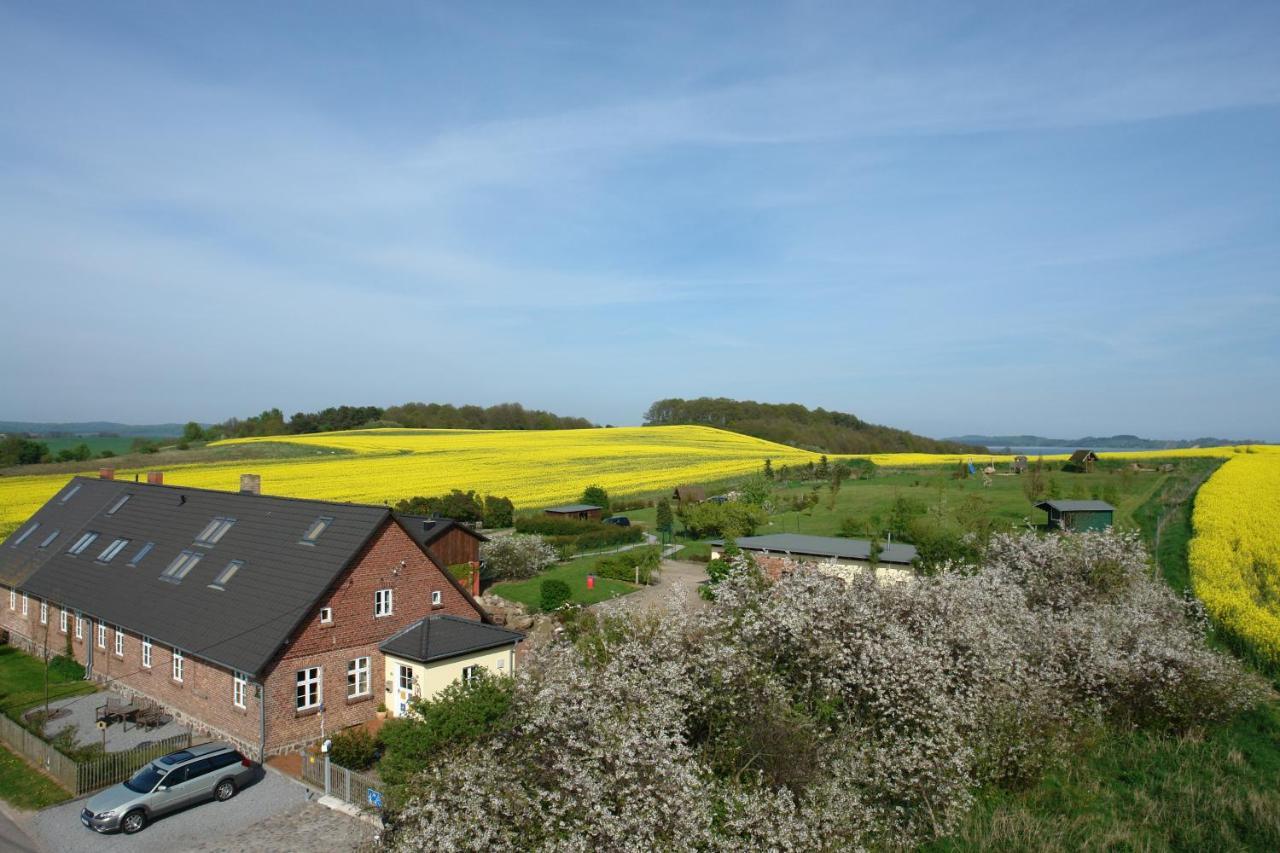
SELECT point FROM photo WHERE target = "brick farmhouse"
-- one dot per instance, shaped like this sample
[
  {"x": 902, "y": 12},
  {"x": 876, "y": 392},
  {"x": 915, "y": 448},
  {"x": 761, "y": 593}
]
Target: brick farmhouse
[{"x": 255, "y": 618}]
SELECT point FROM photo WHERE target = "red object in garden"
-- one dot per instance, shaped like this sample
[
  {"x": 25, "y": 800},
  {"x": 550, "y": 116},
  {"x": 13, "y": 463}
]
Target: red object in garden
[{"x": 591, "y": 581}]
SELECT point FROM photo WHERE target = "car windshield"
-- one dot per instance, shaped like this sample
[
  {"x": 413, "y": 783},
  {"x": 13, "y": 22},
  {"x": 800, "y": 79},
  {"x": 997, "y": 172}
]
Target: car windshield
[{"x": 144, "y": 781}]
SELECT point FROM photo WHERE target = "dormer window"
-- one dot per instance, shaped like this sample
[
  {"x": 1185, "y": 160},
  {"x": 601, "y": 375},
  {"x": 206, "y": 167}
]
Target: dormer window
[
  {"x": 220, "y": 582},
  {"x": 319, "y": 526},
  {"x": 120, "y": 501},
  {"x": 214, "y": 531},
  {"x": 109, "y": 553},
  {"x": 22, "y": 537},
  {"x": 81, "y": 544},
  {"x": 181, "y": 565}
]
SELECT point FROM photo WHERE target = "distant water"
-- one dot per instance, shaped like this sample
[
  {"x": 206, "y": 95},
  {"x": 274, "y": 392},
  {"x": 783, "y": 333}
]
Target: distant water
[{"x": 1051, "y": 451}]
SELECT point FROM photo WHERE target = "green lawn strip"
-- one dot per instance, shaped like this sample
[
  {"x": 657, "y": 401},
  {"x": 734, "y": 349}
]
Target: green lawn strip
[
  {"x": 26, "y": 787},
  {"x": 574, "y": 573},
  {"x": 22, "y": 683},
  {"x": 1140, "y": 791}
]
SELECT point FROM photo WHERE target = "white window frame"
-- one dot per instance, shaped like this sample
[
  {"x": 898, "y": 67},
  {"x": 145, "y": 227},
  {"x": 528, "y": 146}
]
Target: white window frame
[
  {"x": 400, "y": 678},
  {"x": 326, "y": 615},
  {"x": 179, "y": 665},
  {"x": 102, "y": 634},
  {"x": 146, "y": 652},
  {"x": 13, "y": 599},
  {"x": 24, "y": 604},
  {"x": 239, "y": 682},
  {"x": 44, "y": 613},
  {"x": 79, "y": 627},
  {"x": 358, "y": 670},
  {"x": 469, "y": 673},
  {"x": 308, "y": 680},
  {"x": 437, "y": 598},
  {"x": 119, "y": 645},
  {"x": 62, "y": 621},
  {"x": 383, "y": 603}
]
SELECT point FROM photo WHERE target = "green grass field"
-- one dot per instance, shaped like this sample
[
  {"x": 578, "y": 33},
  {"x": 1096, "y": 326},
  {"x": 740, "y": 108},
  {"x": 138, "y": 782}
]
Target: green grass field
[
  {"x": 22, "y": 682},
  {"x": 574, "y": 573}
]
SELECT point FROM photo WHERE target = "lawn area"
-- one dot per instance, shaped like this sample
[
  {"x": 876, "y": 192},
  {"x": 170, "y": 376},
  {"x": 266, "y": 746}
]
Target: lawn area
[
  {"x": 22, "y": 682},
  {"x": 1216, "y": 790},
  {"x": 23, "y": 786},
  {"x": 574, "y": 573}
]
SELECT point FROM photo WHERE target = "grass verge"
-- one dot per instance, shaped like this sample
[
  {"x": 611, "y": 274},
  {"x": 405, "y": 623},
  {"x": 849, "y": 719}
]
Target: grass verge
[
  {"x": 23, "y": 786},
  {"x": 574, "y": 573}
]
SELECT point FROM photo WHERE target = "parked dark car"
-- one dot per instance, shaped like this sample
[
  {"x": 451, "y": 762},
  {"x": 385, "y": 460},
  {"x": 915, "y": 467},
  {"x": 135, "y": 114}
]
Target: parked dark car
[
  {"x": 620, "y": 520},
  {"x": 211, "y": 771}
]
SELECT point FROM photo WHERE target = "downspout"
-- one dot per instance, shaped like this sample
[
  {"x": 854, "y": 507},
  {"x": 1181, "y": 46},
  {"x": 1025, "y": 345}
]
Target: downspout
[{"x": 262, "y": 722}]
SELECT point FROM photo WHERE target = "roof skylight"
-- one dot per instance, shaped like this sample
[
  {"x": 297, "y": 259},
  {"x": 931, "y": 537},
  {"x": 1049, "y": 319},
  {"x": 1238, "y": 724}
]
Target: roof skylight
[
  {"x": 70, "y": 494},
  {"x": 319, "y": 526},
  {"x": 121, "y": 501},
  {"x": 48, "y": 540},
  {"x": 220, "y": 582},
  {"x": 181, "y": 565},
  {"x": 142, "y": 552},
  {"x": 82, "y": 543},
  {"x": 24, "y": 534},
  {"x": 215, "y": 530},
  {"x": 109, "y": 553}
]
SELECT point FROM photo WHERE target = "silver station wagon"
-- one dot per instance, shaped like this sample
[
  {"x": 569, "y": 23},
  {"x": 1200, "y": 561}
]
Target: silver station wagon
[{"x": 211, "y": 771}]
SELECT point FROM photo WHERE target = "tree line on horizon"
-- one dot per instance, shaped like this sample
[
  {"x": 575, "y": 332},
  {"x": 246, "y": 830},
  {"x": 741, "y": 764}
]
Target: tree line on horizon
[
  {"x": 796, "y": 425},
  {"x": 414, "y": 415}
]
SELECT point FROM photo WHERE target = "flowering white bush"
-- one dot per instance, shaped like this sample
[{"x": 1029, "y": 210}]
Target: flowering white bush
[
  {"x": 517, "y": 556},
  {"x": 821, "y": 713}
]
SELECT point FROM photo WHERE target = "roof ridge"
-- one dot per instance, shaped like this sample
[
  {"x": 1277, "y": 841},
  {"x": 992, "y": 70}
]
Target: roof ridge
[{"x": 233, "y": 493}]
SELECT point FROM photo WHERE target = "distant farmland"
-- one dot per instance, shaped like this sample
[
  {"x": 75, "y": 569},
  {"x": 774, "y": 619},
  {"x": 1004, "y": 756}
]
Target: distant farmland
[{"x": 533, "y": 468}]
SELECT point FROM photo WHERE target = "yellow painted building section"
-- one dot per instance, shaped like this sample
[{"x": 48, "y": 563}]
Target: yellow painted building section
[{"x": 428, "y": 679}]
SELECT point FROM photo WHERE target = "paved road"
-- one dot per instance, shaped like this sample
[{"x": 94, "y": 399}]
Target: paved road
[
  {"x": 13, "y": 839},
  {"x": 275, "y": 814}
]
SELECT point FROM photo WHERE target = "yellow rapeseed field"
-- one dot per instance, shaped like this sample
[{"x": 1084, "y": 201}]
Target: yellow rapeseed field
[
  {"x": 533, "y": 468},
  {"x": 1235, "y": 553}
]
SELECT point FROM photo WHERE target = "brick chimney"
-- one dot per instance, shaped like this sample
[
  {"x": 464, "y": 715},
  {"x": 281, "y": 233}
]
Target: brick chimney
[
  {"x": 250, "y": 484},
  {"x": 106, "y": 473},
  {"x": 155, "y": 478}
]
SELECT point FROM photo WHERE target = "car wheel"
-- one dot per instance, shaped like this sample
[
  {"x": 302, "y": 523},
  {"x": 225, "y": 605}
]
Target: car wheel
[
  {"x": 226, "y": 790},
  {"x": 133, "y": 822}
]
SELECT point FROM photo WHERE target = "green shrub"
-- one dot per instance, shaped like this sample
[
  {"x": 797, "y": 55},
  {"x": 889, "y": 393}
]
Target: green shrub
[
  {"x": 623, "y": 566},
  {"x": 554, "y": 593},
  {"x": 64, "y": 668},
  {"x": 353, "y": 748}
]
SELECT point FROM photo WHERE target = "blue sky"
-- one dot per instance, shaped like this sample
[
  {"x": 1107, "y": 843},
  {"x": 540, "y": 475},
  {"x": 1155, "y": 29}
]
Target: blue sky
[{"x": 946, "y": 217}]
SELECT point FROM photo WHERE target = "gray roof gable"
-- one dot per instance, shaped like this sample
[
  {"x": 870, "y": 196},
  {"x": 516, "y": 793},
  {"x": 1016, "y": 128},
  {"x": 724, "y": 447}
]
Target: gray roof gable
[
  {"x": 1076, "y": 506},
  {"x": 826, "y": 546},
  {"x": 241, "y": 626},
  {"x": 572, "y": 508},
  {"x": 444, "y": 636}
]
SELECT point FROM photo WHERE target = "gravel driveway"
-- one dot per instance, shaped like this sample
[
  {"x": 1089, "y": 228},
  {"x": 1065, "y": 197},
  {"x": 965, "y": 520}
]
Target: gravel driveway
[{"x": 273, "y": 814}]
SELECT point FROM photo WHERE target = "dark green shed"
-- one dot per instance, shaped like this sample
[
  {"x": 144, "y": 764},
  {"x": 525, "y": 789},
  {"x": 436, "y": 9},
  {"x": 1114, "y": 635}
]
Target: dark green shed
[{"x": 1078, "y": 515}]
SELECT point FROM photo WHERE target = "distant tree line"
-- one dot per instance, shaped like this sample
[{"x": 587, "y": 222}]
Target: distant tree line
[
  {"x": 411, "y": 415},
  {"x": 798, "y": 426}
]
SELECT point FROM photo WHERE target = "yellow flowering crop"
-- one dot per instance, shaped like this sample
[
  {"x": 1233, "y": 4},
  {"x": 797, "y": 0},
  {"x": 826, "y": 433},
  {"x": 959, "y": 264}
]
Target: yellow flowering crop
[
  {"x": 534, "y": 468},
  {"x": 1235, "y": 554}
]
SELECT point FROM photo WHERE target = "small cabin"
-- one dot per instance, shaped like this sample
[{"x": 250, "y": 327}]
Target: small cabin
[
  {"x": 438, "y": 650},
  {"x": 1078, "y": 515},
  {"x": 585, "y": 512},
  {"x": 1081, "y": 462},
  {"x": 689, "y": 494}
]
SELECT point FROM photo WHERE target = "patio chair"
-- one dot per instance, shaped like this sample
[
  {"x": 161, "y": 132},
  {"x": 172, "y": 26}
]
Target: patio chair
[{"x": 111, "y": 711}]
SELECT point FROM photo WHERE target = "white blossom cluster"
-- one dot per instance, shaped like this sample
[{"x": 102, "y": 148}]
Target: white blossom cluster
[{"x": 816, "y": 713}]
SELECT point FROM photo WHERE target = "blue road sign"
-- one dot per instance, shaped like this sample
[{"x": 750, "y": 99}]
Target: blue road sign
[{"x": 375, "y": 797}]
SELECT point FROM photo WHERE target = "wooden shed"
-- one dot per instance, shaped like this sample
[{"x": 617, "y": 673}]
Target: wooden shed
[
  {"x": 1081, "y": 462},
  {"x": 1078, "y": 515},
  {"x": 586, "y": 512},
  {"x": 690, "y": 494}
]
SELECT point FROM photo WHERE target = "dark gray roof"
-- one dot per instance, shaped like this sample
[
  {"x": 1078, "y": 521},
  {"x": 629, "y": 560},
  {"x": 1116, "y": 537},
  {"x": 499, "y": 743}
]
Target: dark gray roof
[
  {"x": 427, "y": 530},
  {"x": 1076, "y": 506},
  {"x": 825, "y": 546},
  {"x": 572, "y": 508},
  {"x": 241, "y": 626},
  {"x": 443, "y": 636}
]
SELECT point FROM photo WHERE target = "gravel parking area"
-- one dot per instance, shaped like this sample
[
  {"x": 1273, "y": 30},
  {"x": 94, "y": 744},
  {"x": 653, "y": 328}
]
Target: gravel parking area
[{"x": 274, "y": 814}]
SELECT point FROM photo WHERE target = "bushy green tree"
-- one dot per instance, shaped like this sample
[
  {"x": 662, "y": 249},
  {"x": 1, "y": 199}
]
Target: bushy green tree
[
  {"x": 353, "y": 748},
  {"x": 553, "y": 593},
  {"x": 192, "y": 432},
  {"x": 498, "y": 512},
  {"x": 596, "y": 496},
  {"x": 16, "y": 450},
  {"x": 664, "y": 518}
]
